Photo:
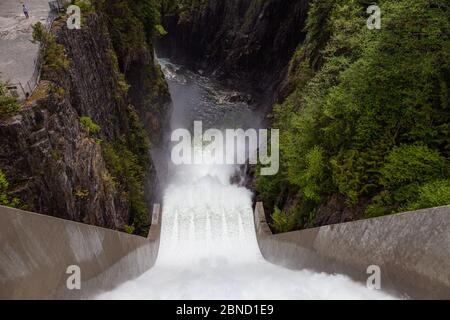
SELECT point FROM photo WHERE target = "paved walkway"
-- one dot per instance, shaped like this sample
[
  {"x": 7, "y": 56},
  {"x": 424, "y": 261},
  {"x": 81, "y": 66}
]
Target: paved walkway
[{"x": 17, "y": 52}]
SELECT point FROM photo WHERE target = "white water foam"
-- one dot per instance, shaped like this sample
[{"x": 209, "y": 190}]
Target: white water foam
[{"x": 209, "y": 250}]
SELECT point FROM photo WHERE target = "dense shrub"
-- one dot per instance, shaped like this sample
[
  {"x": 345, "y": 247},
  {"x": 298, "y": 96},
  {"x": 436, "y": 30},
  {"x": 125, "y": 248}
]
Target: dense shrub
[
  {"x": 281, "y": 221},
  {"x": 53, "y": 55},
  {"x": 432, "y": 194},
  {"x": 85, "y": 6},
  {"x": 133, "y": 24},
  {"x": 408, "y": 164},
  {"x": 128, "y": 161},
  {"x": 8, "y": 104},
  {"x": 89, "y": 126},
  {"x": 5, "y": 197},
  {"x": 363, "y": 117}
]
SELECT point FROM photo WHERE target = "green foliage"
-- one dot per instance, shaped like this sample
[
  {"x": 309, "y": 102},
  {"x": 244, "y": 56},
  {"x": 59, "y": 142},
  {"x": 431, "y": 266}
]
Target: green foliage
[
  {"x": 269, "y": 189},
  {"x": 133, "y": 24},
  {"x": 408, "y": 164},
  {"x": 185, "y": 8},
  {"x": 89, "y": 126},
  {"x": 53, "y": 55},
  {"x": 8, "y": 104},
  {"x": 128, "y": 162},
  {"x": 318, "y": 27},
  {"x": 5, "y": 198},
  {"x": 432, "y": 194},
  {"x": 281, "y": 221},
  {"x": 406, "y": 171},
  {"x": 160, "y": 31},
  {"x": 313, "y": 174},
  {"x": 363, "y": 117},
  {"x": 86, "y": 6},
  {"x": 355, "y": 172},
  {"x": 381, "y": 205},
  {"x": 4, "y": 185},
  {"x": 122, "y": 84},
  {"x": 138, "y": 138},
  {"x": 132, "y": 27},
  {"x": 148, "y": 12},
  {"x": 128, "y": 229}
]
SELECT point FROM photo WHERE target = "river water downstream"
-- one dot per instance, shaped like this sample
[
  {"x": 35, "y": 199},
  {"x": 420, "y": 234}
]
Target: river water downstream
[{"x": 208, "y": 242}]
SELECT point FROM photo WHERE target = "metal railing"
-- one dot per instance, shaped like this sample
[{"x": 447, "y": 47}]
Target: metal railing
[
  {"x": 57, "y": 5},
  {"x": 31, "y": 84},
  {"x": 19, "y": 90},
  {"x": 16, "y": 90}
]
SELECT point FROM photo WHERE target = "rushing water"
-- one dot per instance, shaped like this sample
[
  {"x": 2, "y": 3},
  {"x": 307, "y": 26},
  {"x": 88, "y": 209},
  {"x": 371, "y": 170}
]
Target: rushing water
[{"x": 208, "y": 243}]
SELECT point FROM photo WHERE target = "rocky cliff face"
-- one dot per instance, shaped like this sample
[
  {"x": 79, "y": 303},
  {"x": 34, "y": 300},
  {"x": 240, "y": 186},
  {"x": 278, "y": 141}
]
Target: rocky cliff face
[
  {"x": 247, "y": 43},
  {"x": 57, "y": 165},
  {"x": 248, "y": 40}
]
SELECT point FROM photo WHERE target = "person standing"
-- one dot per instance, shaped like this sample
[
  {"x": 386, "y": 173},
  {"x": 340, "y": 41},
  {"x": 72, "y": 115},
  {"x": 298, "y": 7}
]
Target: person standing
[{"x": 25, "y": 11}]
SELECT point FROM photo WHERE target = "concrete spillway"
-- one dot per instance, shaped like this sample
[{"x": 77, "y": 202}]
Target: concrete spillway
[{"x": 209, "y": 250}]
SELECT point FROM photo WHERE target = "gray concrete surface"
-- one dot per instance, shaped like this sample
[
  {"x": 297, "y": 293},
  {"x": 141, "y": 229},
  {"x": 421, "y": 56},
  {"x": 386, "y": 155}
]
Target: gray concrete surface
[
  {"x": 412, "y": 249},
  {"x": 35, "y": 251},
  {"x": 17, "y": 52}
]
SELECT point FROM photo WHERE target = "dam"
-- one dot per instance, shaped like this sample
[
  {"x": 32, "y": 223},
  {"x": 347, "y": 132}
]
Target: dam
[
  {"x": 208, "y": 246},
  {"x": 209, "y": 250},
  {"x": 208, "y": 243},
  {"x": 209, "y": 238}
]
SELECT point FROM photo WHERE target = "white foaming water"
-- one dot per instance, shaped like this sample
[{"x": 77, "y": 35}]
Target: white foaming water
[{"x": 209, "y": 249}]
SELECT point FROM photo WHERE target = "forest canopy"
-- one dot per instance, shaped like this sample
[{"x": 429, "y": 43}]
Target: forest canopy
[{"x": 367, "y": 116}]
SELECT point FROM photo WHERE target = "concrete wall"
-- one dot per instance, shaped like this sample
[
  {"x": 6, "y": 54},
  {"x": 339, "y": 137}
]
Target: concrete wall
[
  {"x": 35, "y": 251},
  {"x": 412, "y": 249}
]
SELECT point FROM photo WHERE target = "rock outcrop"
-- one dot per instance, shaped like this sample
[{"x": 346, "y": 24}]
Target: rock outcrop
[
  {"x": 54, "y": 164},
  {"x": 247, "y": 40}
]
